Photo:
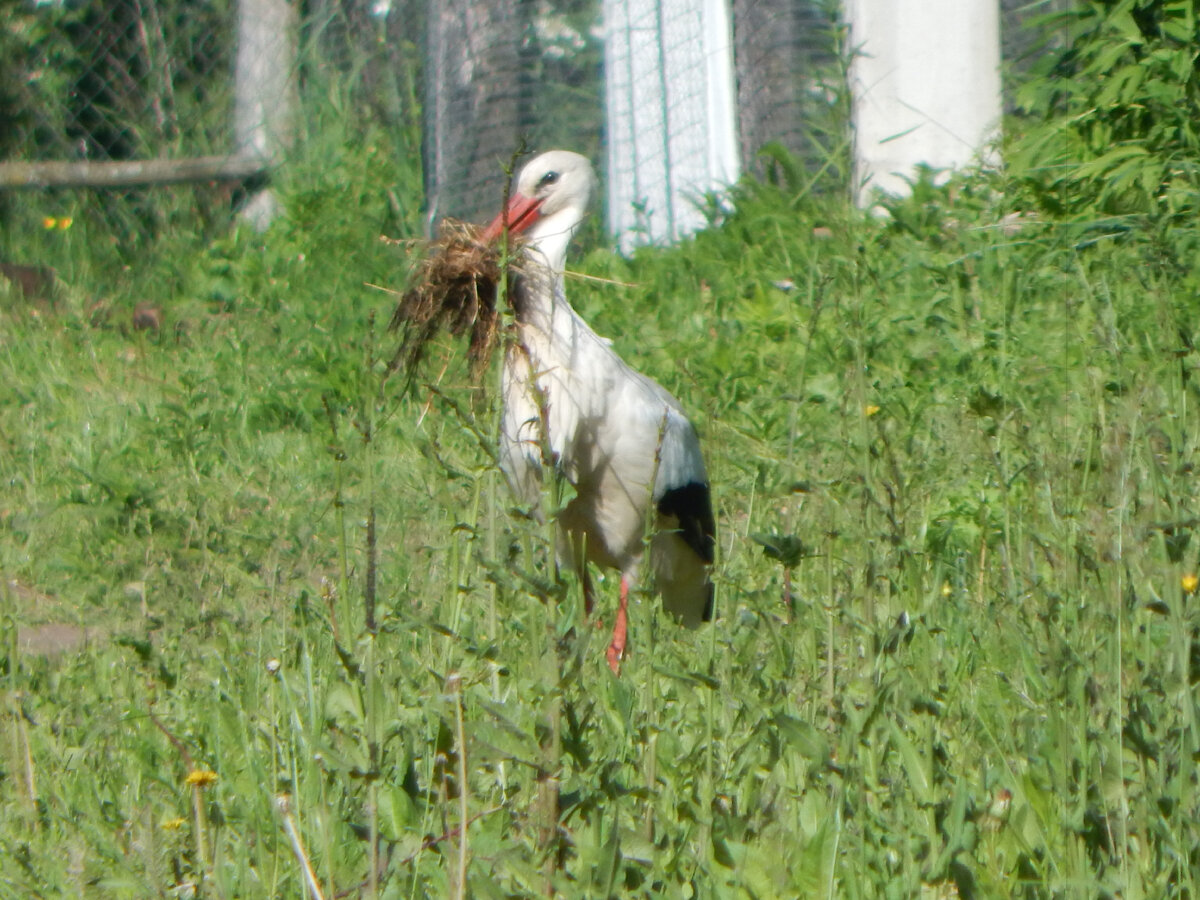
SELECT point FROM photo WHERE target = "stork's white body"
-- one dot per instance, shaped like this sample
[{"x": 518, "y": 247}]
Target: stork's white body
[{"x": 619, "y": 438}]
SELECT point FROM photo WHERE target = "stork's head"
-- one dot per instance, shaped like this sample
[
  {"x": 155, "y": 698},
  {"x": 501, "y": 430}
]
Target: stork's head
[{"x": 549, "y": 200}]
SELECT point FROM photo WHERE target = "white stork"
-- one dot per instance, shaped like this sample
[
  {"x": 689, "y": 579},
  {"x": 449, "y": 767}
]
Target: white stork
[{"x": 619, "y": 438}]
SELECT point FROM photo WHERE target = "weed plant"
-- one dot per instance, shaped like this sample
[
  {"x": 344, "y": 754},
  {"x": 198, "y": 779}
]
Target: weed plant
[{"x": 955, "y": 643}]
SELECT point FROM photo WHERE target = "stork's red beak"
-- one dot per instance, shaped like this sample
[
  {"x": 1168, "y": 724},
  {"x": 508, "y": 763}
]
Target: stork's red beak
[{"x": 521, "y": 213}]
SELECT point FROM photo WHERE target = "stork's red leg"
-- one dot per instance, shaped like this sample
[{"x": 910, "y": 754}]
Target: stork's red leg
[{"x": 616, "y": 649}]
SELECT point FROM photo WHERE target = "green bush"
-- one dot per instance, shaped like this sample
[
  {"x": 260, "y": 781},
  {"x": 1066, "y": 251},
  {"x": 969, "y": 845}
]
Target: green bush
[{"x": 1111, "y": 112}]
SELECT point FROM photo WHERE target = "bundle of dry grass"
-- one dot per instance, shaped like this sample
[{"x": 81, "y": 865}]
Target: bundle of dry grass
[{"x": 454, "y": 287}]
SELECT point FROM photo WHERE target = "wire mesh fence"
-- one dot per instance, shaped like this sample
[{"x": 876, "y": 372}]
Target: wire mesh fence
[
  {"x": 144, "y": 79},
  {"x": 112, "y": 82},
  {"x": 670, "y": 126},
  {"x": 116, "y": 80},
  {"x": 500, "y": 75},
  {"x": 790, "y": 80}
]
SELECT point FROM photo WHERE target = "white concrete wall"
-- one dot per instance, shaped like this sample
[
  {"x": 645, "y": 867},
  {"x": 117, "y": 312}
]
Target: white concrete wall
[
  {"x": 925, "y": 79},
  {"x": 671, "y": 128}
]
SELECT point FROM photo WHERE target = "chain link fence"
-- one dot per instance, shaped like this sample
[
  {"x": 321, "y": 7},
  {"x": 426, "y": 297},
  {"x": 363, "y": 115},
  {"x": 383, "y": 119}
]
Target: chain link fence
[
  {"x": 500, "y": 75},
  {"x": 114, "y": 81},
  {"x": 122, "y": 79},
  {"x": 149, "y": 79},
  {"x": 790, "y": 81},
  {"x": 671, "y": 129}
]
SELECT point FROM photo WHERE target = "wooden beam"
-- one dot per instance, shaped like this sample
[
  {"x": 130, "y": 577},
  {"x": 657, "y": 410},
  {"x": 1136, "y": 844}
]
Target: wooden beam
[{"x": 128, "y": 173}]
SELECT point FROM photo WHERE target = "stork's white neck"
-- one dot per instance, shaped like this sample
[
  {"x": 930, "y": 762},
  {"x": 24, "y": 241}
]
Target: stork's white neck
[
  {"x": 544, "y": 305},
  {"x": 550, "y": 237}
]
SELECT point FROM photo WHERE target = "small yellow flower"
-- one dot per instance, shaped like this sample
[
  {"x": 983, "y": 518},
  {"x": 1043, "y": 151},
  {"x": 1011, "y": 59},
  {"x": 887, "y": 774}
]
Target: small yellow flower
[
  {"x": 64, "y": 223},
  {"x": 49, "y": 223},
  {"x": 871, "y": 409},
  {"x": 946, "y": 589},
  {"x": 174, "y": 824},
  {"x": 200, "y": 778},
  {"x": 1189, "y": 583}
]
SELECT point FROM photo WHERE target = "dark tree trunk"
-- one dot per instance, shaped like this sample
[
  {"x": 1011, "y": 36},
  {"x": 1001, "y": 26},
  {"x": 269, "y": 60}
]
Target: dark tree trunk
[
  {"x": 780, "y": 48},
  {"x": 479, "y": 100}
]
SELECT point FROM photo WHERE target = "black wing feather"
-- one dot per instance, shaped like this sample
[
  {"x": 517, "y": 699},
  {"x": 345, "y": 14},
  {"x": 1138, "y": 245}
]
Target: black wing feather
[{"x": 692, "y": 506}]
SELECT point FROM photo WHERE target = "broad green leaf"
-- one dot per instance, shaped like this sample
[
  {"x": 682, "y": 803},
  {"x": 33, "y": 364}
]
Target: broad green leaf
[{"x": 915, "y": 767}]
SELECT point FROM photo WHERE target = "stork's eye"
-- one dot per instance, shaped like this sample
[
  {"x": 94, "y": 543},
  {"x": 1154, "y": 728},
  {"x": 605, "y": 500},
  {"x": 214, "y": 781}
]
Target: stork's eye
[{"x": 548, "y": 179}]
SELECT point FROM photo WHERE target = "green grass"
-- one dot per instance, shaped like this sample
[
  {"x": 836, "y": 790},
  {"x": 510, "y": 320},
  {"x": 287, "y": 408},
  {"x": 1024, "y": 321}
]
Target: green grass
[{"x": 972, "y": 450}]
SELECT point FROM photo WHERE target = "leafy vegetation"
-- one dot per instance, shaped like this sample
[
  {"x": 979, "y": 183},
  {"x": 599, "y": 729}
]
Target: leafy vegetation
[
  {"x": 955, "y": 649},
  {"x": 1116, "y": 111}
]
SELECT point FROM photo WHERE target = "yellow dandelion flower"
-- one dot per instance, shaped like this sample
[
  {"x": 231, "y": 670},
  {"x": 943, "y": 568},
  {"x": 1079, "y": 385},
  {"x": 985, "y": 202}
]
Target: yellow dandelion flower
[
  {"x": 174, "y": 824},
  {"x": 946, "y": 589},
  {"x": 49, "y": 223},
  {"x": 200, "y": 778},
  {"x": 64, "y": 223},
  {"x": 871, "y": 409},
  {"x": 1189, "y": 583}
]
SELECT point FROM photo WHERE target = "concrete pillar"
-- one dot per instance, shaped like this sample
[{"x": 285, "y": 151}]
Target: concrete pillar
[{"x": 925, "y": 81}]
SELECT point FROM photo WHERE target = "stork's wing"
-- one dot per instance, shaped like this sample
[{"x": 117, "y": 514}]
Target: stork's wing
[{"x": 691, "y": 505}]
